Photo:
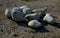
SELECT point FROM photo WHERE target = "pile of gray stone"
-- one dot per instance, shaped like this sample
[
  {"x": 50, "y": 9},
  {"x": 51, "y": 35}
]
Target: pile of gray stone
[{"x": 32, "y": 16}]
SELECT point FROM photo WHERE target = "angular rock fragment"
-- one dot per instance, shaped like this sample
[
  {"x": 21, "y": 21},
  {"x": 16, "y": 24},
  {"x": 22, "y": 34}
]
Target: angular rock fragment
[
  {"x": 8, "y": 12},
  {"x": 49, "y": 18},
  {"x": 34, "y": 23},
  {"x": 17, "y": 14}
]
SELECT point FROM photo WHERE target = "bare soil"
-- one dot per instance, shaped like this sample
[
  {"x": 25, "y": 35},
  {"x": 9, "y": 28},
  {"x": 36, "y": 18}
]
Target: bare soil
[{"x": 12, "y": 29}]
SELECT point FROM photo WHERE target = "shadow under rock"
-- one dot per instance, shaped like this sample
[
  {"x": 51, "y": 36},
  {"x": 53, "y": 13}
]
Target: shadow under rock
[
  {"x": 44, "y": 23},
  {"x": 56, "y": 25},
  {"x": 22, "y": 23},
  {"x": 41, "y": 29}
]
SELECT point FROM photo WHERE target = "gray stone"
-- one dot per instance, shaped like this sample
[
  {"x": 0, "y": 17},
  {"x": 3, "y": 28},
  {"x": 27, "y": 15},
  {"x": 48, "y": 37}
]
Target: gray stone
[
  {"x": 33, "y": 16},
  {"x": 8, "y": 12},
  {"x": 34, "y": 23},
  {"x": 49, "y": 18},
  {"x": 17, "y": 14},
  {"x": 27, "y": 11}
]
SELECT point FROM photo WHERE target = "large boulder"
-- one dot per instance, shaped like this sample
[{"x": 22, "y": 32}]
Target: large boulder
[
  {"x": 17, "y": 14},
  {"x": 49, "y": 18},
  {"x": 34, "y": 23},
  {"x": 8, "y": 12}
]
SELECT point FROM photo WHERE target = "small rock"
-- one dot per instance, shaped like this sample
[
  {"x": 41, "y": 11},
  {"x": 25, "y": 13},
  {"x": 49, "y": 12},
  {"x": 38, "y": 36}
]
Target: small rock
[
  {"x": 17, "y": 14},
  {"x": 33, "y": 16},
  {"x": 42, "y": 10},
  {"x": 8, "y": 12},
  {"x": 34, "y": 23},
  {"x": 27, "y": 11},
  {"x": 49, "y": 18}
]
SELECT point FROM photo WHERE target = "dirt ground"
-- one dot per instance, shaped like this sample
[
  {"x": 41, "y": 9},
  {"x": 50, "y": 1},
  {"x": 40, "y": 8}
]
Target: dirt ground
[{"x": 12, "y": 29}]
